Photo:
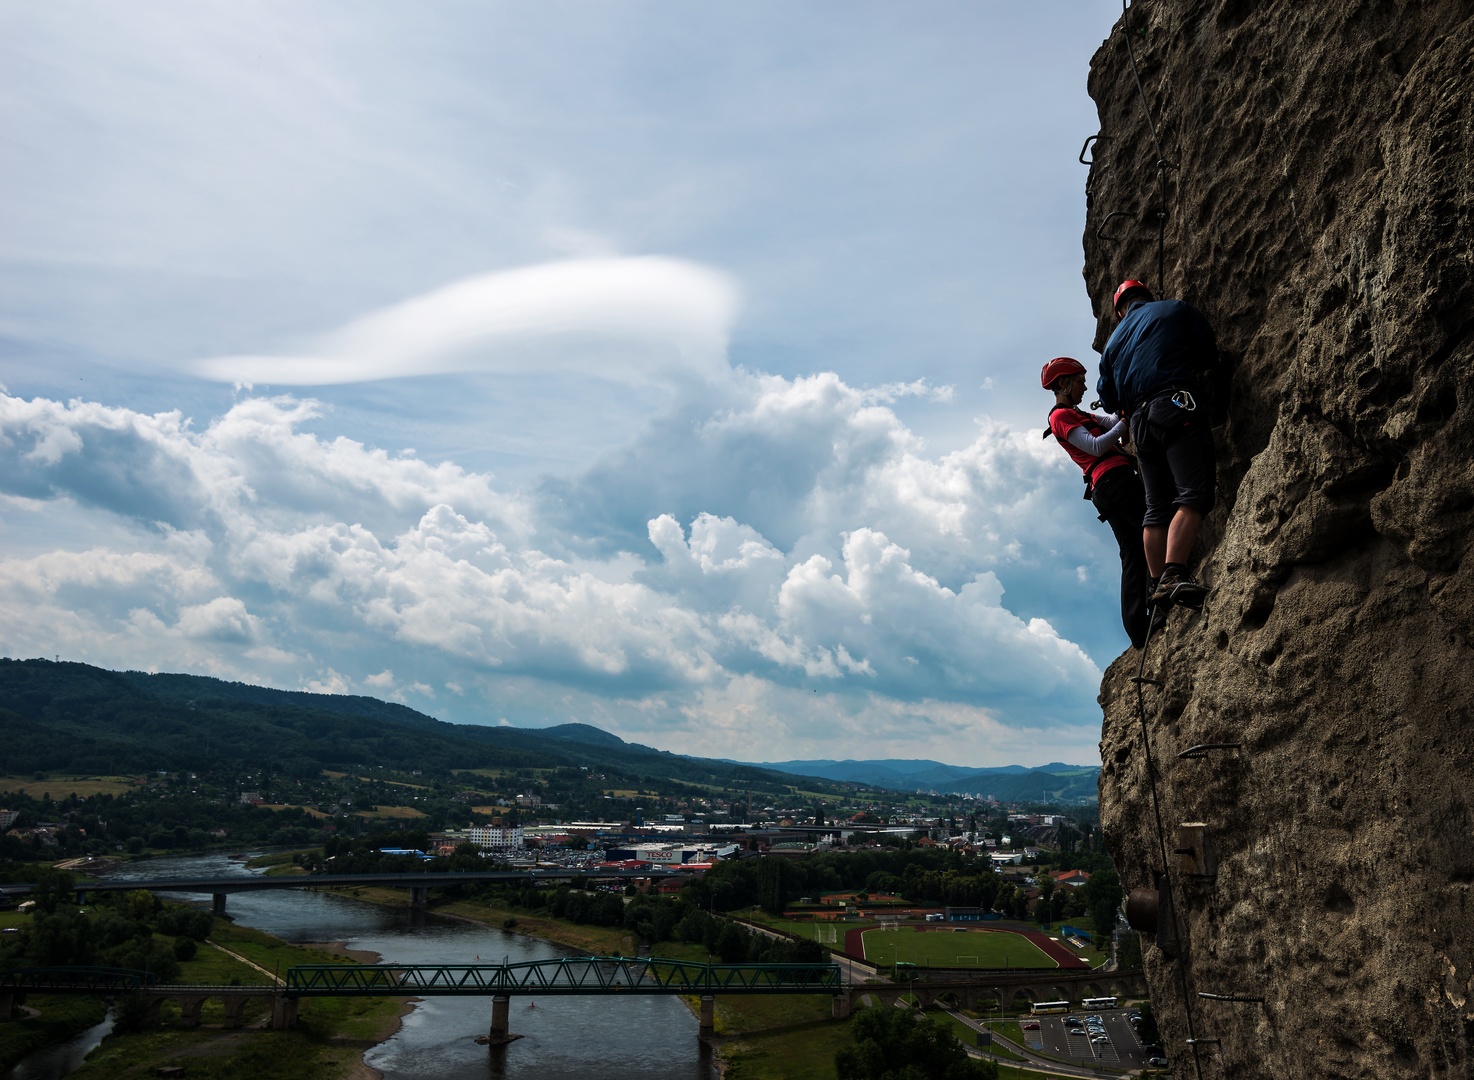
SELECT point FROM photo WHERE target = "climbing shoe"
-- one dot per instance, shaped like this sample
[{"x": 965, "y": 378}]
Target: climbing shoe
[{"x": 1177, "y": 588}]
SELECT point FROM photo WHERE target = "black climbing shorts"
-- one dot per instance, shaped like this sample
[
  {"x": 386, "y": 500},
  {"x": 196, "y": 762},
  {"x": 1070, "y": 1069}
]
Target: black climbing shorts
[{"x": 1174, "y": 448}]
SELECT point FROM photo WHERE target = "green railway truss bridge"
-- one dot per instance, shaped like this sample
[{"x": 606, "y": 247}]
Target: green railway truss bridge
[{"x": 564, "y": 976}]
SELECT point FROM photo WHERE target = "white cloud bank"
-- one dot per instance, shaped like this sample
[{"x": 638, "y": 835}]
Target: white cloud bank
[
  {"x": 631, "y": 320},
  {"x": 806, "y": 580}
]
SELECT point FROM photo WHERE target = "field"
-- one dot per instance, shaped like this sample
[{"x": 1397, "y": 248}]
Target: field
[
  {"x": 391, "y": 812},
  {"x": 948, "y": 948},
  {"x": 307, "y": 809},
  {"x": 60, "y": 789}
]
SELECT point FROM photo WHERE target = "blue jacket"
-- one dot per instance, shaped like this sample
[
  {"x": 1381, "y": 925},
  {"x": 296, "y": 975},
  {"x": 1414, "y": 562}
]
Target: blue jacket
[{"x": 1160, "y": 345}]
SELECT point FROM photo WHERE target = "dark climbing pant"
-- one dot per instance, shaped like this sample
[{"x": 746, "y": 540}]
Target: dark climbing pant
[
  {"x": 1119, "y": 501},
  {"x": 1174, "y": 448}
]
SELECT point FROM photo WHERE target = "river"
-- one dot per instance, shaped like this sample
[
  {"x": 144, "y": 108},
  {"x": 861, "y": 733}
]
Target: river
[{"x": 608, "y": 1038}]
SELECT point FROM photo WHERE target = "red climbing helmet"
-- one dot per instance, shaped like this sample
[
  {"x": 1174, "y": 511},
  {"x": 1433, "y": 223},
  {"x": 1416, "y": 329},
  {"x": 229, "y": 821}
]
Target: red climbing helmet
[
  {"x": 1125, "y": 287},
  {"x": 1060, "y": 365}
]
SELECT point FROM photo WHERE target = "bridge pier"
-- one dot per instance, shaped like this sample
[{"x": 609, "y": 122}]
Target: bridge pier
[
  {"x": 217, "y": 904},
  {"x": 283, "y": 1013},
  {"x": 234, "y": 1006},
  {"x": 189, "y": 1009},
  {"x": 151, "y": 1013},
  {"x": 841, "y": 1007},
  {"x": 419, "y": 896},
  {"x": 500, "y": 1028},
  {"x": 708, "y": 1015},
  {"x": 7, "y": 1005}
]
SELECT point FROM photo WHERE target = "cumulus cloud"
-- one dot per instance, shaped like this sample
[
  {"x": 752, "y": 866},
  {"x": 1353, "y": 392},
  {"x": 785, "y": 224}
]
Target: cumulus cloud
[
  {"x": 790, "y": 559},
  {"x": 632, "y": 320},
  {"x": 222, "y": 619},
  {"x": 249, "y": 469}
]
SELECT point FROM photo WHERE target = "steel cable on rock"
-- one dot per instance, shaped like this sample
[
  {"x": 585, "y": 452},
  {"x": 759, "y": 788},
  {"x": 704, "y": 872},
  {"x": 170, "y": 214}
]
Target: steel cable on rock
[
  {"x": 1151, "y": 771},
  {"x": 1166, "y": 876},
  {"x": 1162, "y": 163}
]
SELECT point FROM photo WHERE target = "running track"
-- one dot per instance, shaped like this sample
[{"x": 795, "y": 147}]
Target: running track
[{"x": 855, "y": 946}]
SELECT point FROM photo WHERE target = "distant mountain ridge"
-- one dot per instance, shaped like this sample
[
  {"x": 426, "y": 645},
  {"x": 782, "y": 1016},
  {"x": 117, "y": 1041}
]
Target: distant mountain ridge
[{"x": 1006, "y": 783}]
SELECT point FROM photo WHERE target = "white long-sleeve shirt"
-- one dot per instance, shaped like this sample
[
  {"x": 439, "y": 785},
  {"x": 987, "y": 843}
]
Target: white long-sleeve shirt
[{"x": 1099, "y": 445}]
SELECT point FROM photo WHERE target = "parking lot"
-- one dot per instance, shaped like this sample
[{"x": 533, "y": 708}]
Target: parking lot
[{"x": 1120, "y": 1050}]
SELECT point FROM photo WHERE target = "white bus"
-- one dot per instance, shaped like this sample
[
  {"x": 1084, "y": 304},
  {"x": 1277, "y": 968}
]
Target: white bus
[
  {"x": 1098, "y": 1003},
  {"x": 1039, "y": 1008}
]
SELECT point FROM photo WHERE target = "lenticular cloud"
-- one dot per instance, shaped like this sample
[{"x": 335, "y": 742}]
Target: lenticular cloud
[{"x": 631, "y": 320}]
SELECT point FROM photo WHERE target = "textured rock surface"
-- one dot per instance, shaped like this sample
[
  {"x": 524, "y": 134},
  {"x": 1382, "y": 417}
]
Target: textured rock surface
[{"x": 1320, "y": 215}]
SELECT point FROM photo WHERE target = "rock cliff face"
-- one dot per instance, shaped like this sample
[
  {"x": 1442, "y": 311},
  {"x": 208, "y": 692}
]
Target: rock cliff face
[{"x": 1319, "y": 213}]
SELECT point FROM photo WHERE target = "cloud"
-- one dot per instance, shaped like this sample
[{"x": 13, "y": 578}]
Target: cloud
[
  {"x": 629, "y": 320},
  {"x": 223, "y": 619},
  {"x": 250, "y": 469},
  {"x": 797, "y": 549}
]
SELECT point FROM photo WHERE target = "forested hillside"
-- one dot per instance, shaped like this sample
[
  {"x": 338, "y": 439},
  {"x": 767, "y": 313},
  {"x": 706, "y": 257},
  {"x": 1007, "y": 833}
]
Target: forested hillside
[{"x": 75, "y": 718}]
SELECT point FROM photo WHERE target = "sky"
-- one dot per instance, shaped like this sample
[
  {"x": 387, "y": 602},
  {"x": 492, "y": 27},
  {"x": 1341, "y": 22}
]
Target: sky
[{"x": 661, "y": 366}]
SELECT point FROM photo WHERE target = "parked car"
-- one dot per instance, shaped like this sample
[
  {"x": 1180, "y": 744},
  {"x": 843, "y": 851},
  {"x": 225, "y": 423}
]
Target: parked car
[
  {"x": 1100, "y": 1039},
  {"x": 1029, "y": 1025},
  {"x": 1157, "y": 1062},
  {"x": 1074, "y": 1021},
  {"x": 1078, "y": 1031}
]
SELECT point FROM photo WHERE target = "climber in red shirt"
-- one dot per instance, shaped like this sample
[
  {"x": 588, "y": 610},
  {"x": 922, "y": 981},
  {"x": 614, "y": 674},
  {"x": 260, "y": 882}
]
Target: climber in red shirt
[{"x": 1111, "y": 483}]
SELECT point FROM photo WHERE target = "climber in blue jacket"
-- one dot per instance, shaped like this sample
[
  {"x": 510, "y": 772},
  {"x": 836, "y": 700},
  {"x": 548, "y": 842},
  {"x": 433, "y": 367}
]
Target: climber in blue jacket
[{"x": 1151, "y": 372}]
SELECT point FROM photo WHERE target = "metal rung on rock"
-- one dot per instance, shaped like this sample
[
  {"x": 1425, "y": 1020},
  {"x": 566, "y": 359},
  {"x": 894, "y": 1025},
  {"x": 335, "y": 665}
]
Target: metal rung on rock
[
  {"x": 1230, "y": 997},
  {"x": 1204, "y": 1042},
  {"x": 1201, "y": 750},
  {"x": 1144, "y": 680}
]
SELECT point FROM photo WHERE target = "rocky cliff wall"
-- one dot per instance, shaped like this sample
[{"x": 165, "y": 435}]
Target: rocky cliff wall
[{"x": 1320, "y": 214}]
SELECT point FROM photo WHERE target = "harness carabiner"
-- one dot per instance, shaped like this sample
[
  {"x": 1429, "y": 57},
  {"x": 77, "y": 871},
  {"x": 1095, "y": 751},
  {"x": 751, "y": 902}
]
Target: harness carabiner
[{"x": 1183, "y": 399}]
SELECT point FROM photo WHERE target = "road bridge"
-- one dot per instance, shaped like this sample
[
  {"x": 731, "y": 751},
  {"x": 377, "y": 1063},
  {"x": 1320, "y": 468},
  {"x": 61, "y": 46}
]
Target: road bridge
[{"x": 418, "y": 884}]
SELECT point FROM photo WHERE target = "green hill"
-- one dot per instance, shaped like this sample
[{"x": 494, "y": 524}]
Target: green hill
[{"x": 76, "y": 718}]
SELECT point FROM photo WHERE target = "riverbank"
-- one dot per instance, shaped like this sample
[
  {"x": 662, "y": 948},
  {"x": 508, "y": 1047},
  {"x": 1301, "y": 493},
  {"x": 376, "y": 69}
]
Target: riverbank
[
  {"x": 328, "y": 1043},
  {"x": 50, "y": 1019}
]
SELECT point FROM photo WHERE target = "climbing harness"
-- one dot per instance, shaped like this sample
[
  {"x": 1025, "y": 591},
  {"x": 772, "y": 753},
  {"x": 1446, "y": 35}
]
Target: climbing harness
[{"x": 1088, "y": 422}]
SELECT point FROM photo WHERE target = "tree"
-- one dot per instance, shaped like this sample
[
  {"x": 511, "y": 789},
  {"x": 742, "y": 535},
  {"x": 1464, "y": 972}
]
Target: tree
[
  {"x": 1103, "y": 898},
  {"x": 893, "y": 1044},
  {"x": 1147, "y": 1031},
  {"x": 772, "y": 877},
  {"x": 732, "y": 944},
  {"x": 1043, "y": 908},
  {"x": 51, "y": 888}
]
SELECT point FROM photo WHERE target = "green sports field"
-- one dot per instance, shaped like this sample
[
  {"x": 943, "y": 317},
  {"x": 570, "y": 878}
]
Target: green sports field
[{"x": 948, "y": 948}]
